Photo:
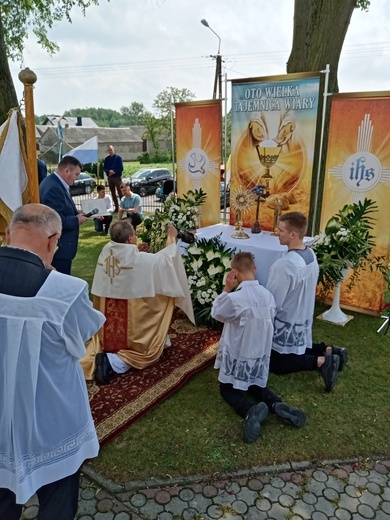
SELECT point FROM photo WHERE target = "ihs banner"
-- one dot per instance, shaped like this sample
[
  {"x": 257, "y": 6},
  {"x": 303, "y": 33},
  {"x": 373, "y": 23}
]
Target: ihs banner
[
  {"x": 273, "y": 133},
  {"x": 198, "y": 150},
  {"x": 358, "y": 167}
]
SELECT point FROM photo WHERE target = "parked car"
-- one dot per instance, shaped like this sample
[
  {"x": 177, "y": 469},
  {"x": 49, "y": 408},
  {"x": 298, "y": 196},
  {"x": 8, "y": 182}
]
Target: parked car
[
  {"x": 222, "y": 194},
  {"x": 146, "y": 180},
  {"x": 84, "y": 184}
]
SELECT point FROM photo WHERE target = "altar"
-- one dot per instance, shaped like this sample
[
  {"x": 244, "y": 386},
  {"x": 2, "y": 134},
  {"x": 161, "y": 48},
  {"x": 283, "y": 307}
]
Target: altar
[{"x": 265, "y": 248}]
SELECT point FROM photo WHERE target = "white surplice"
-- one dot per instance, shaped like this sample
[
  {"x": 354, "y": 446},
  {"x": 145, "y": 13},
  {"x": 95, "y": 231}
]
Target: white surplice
[
  {"x": 293, "y": 284},
  {"x": 46, "y": 427},
  {"x": 245, "y": 345}
]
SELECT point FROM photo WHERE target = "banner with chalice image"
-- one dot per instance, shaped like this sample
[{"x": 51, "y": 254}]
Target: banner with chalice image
[{"x": 273, "y": 133}]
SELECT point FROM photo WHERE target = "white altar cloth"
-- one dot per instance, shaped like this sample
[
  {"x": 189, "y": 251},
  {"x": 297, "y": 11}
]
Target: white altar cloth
[{"x": 265, "y": 248}]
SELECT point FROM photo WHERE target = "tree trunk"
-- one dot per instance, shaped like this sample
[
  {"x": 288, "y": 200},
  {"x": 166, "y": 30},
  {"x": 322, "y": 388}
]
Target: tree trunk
[
  {"x": 8, "y": 97},
  {"x": 320, "y": 27}
]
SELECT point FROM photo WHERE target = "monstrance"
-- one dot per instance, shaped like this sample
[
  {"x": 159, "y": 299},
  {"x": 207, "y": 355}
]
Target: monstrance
[{"x": 241, "y": 201}]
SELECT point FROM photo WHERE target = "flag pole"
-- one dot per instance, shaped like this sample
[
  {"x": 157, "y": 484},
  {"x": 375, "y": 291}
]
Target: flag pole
[{"x": 28, "y": 78}]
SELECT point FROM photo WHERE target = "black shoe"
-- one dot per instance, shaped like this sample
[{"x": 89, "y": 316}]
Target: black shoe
[
  {"x": 329, "y": 371},
  {"x": 294, "y": 416},
  {"x": 343, "y": 355},
  {"x": 103, "y": 369},
  {"x": 257, "y": 413}
]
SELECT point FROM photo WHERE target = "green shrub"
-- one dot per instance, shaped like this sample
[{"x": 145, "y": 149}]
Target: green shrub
[{"x": 157, "y": 156}]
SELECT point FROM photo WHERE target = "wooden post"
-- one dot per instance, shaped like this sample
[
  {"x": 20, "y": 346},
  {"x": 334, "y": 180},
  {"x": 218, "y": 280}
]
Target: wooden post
[{"x": 28, "y": 78}]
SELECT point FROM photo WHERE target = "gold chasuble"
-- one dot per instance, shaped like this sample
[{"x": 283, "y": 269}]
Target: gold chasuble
[{"x": 137, "y": 293}]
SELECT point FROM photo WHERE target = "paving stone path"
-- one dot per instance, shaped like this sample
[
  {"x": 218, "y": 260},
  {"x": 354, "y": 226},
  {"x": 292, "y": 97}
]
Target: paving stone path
[{"x": 330, "y": 491}]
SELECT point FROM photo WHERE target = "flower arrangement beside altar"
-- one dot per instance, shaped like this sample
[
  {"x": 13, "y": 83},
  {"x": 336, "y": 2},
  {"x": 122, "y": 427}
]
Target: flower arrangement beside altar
[
  {"x": 182, "y": 212},
  {"x": 346, "y": 244},
  {"x": 207, "y": 263}
]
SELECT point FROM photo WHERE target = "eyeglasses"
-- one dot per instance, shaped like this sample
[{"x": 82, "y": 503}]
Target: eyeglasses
[{"x": 58, "y": 240}]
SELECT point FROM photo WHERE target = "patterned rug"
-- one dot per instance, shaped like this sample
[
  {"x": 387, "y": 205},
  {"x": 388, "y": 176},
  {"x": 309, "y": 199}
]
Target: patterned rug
[{"x": 130, "y": 396}]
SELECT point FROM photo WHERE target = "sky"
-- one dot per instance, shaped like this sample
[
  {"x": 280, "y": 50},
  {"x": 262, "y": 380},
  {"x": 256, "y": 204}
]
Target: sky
[{"x": 130, "y": 50}]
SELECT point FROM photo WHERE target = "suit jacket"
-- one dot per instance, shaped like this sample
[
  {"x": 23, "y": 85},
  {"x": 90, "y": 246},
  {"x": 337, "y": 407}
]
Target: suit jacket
[
  {"x": 115, "y": 163},
  {"x": 42, "y": 170},
  {"x": 54, "y": 194},
  {"x": 22, "y": 273}
]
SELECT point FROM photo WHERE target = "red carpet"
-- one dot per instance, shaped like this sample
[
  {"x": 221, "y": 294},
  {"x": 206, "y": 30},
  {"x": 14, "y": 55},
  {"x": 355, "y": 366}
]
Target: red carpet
[{"x": 130, "y": 396}]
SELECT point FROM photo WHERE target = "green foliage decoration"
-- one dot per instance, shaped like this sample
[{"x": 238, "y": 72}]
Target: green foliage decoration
[
  {"x": 206, "y": 261},
  {"x": 347, "y": 243},
  {"x": 182, "y": 212}
]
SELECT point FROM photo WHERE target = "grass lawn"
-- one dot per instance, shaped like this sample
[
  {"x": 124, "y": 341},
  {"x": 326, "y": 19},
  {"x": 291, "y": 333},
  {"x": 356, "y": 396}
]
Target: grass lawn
[{"x": 196, "y": 432}]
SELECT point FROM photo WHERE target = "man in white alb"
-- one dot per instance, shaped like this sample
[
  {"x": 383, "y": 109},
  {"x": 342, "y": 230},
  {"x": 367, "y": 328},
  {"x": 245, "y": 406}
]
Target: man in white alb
[
  {"x": 293, "y": 280},
  {"x": 46, "y": 427}
]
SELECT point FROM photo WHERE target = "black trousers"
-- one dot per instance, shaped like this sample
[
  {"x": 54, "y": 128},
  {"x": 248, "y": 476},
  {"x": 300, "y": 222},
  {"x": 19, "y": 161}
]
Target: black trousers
[
  {"x": 289, "y": 363},
  {"x": 114, "y": 183},
  {"x": 57, "y": 501},
  {"x": 106, "y": 221},
  {"x": 135, "y": 219},
  {"x": 239, "y": 401}
]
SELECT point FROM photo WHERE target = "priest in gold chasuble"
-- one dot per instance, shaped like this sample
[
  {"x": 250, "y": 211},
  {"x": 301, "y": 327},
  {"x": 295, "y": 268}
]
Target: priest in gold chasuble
[{"x": 137, "y": 292}]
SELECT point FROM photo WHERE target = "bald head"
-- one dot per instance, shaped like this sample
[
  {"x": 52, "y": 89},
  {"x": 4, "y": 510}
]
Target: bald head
[{"x": 36, "y": 228}]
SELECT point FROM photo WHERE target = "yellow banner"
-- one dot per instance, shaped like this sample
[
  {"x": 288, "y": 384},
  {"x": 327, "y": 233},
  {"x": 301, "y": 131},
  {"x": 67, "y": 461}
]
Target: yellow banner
[
  {"x": 273, "y": 132},
  {"x": 198, "y": 150},
  {"x": 358, "y": 167}
]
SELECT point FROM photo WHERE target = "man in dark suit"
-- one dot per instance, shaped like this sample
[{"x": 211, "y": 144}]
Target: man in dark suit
[
  {"x": 46, "y": 420},
  {"x": 54, "y": 192},
  {"x": 42, "y": 168}
]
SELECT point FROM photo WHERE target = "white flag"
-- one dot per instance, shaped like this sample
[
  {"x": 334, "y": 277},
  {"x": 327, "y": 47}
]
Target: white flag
[
  {"x": 86, "y": 152},
  {"x": 13, "y": 174}
]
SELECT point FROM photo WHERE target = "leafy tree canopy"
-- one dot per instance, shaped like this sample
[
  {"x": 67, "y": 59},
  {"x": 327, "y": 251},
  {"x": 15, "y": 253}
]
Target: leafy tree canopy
[
  {"x": 19, "y": 16},
  {"x": 134, "y": 113},
  {"x": 162, "y": 103}
]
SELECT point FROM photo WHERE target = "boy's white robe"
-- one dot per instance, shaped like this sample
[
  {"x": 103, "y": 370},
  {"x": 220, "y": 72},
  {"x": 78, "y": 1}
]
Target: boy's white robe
[
  {"x": 293, "y": 284},
  {"x": 245, "y": 345}
]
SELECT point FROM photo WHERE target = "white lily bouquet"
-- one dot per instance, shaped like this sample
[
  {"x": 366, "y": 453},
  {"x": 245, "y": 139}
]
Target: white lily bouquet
[
  {"x": 182, "y": 212},
  {"x": 207, "y": 263}
]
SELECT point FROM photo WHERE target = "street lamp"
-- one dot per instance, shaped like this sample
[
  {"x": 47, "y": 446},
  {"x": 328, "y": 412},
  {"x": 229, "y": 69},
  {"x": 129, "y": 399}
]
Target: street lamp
[{"x": 218, "y": 69}]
